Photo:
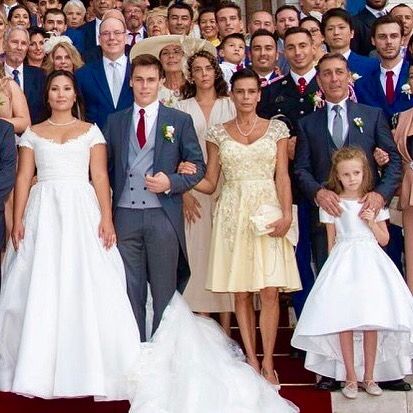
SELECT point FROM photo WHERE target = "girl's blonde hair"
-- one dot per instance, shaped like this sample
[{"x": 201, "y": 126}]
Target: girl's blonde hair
[
  {"x": 75, "y": 57},
  {"x": 347, "y": 154}
]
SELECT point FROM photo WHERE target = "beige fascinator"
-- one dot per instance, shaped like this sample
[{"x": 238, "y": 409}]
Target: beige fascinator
[
  {"x": 189, "y": 45},
  {"x": 53, "y": 41}
]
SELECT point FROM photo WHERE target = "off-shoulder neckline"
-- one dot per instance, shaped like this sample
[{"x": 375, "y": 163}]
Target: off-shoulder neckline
[{"x": 53, "y": 141}]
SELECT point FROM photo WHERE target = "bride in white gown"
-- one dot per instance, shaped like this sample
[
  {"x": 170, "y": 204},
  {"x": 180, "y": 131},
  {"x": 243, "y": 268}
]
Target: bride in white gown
[{"x": 66, "y": 326}]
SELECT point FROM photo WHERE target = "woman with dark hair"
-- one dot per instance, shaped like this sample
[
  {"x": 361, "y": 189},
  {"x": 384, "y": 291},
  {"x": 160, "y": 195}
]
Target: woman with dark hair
[
  {"x": 35, "y": 53},
  {"x": 251, "y": 244},
  {"x": 63, "y": 296},
  {"x": 19, "y": 15},
  {"x": 208, "y": 25},
  {"x": 313, "y": 25},
  {"x": 207, "y": 101}
]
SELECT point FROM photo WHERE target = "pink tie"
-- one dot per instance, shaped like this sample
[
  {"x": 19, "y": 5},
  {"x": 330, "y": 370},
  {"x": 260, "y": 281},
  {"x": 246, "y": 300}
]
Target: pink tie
[{"x": 140, "y": 131}]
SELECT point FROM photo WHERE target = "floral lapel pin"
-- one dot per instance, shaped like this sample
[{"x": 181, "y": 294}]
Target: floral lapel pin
[
  {"x": 355, "y": 77},
  {"x": 317, "y": 99},
  {"x": 407, "y": 90},
  {"x": 359, "y": 123},
  {"x": 168, "y": 133}
]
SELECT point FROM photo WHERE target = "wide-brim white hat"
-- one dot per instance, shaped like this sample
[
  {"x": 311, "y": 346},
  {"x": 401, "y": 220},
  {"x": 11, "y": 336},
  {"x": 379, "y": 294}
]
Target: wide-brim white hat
[{"x": 154, "y": 45}]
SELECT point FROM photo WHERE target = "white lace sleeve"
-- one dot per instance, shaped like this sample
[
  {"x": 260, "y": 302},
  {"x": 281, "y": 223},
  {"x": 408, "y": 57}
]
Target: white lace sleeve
[
  {"x": 382, "y": 215},
  {"x": 26, "y": 139},
  {"x": 325, "y": 217},
  {"x": 212, "y": 136},
  {"x": 96, "y": 136}
]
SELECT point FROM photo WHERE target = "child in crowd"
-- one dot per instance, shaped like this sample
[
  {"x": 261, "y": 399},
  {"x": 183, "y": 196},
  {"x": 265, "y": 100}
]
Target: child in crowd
[
  {"x": 357, "y": 323},
  {"x": 232, "y": 52}
]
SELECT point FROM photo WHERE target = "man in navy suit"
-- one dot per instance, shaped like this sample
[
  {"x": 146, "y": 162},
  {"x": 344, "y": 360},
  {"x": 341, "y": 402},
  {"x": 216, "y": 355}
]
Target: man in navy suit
[
  {"x": 30, "y": 79},
  {"x": 55, "y": 21},
  {"x": 104, "y": 83},
  {"x": 146, "y": 142},
  {"x": 363, "y": 21},
  {"x": 90, "y": 30},
  {"x": 383, "y": 88},
  {"x": 337, "y": 29},
  {"x": 315, "y": 145},
  {"x": 8, "y": 156}
]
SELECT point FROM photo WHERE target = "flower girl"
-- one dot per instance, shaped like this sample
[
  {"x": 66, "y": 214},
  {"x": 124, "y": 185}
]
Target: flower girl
[{"x": 357, "y": 323}]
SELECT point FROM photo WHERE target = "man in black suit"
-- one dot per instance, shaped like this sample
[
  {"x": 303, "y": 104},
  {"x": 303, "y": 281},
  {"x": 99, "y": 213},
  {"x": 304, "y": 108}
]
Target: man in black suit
[
  {"x": 8, "y": 156},
  {"x": 363, "y": 21},
  {"x": 31, "y": 79},
  {"x": 316, "y": 142}
]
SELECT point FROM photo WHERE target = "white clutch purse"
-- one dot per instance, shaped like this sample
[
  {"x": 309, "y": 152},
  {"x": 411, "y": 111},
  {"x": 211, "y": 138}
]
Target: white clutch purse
[{"x": 267, "y": 214}]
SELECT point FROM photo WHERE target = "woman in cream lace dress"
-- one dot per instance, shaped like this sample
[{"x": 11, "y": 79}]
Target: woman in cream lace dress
[
  {"x": 251, "y": 151},
  {"x": 208, "y": 103}
]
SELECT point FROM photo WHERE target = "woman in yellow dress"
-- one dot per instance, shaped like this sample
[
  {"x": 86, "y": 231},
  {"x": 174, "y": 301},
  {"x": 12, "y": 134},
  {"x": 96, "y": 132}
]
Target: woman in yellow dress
[{"x": 252, "y": 153}]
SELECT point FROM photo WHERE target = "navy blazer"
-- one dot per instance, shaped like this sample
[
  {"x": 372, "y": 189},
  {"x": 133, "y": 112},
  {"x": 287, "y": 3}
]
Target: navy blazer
[
  {"x": 94, "y": 87},
  {"x": 362, "y": 65},
  {"x": 361, "y": 42},
  {"x": 315, "y": 147},
  {"x": 76, "y": 36},
  {"x": 8, "y": 157},
  {"x": 167, "y": 156},
  {"x": 34, "y": 83},
  {"x": 88, "y": 31},
  {"x": 370, "y": 92}
]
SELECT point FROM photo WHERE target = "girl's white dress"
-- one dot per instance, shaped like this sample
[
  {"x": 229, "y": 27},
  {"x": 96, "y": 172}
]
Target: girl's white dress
[
  {"x": 359, "y": 288},
  {"x": 66, "y": 325}
]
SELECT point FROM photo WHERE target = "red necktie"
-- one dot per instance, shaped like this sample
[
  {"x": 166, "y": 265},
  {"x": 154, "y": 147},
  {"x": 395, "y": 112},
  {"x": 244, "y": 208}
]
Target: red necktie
[
  {"x": 133, "y": 38},
  {"x": 389, "y": 87},
  {"x": 140, "y": 131},
  {"x": 302, "y": 83}
]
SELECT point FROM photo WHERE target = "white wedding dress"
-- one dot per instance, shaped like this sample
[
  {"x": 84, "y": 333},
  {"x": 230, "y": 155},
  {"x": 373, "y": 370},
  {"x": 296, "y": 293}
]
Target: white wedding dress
[
  {"x": 359, "y": 288},
  {"x": 66, "y": 325}
]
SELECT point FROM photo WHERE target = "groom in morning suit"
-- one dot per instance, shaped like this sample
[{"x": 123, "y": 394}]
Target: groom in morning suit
[
  {"x": 342, "y": 123},
  {"x": 146, "y": 142}
]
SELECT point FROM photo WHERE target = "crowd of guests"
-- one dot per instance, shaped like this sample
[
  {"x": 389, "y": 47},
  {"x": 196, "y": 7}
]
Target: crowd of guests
[{"x": 325, "y": 80}]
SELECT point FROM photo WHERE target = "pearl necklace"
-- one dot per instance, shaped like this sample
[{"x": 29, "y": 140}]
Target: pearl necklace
[
  {"x": 62, "y": 124},
  {"x": 249, "y": 132}
]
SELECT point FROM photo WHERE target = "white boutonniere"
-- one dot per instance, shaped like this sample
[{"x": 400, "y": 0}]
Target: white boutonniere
[
  {"x": 355, "y": 77},
  {"x": 168, "y": 133},
  {"x": 284, "y": 82},
  {"x": 407, "y": 90},
  {"x": 317, "y": 99},
  {"x": 359, "y": 123}
]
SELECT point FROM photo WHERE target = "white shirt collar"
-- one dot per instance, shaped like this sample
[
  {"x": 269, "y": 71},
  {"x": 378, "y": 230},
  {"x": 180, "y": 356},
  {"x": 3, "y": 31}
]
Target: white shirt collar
[
  {"x": 346, "y": 54},
  {"x": 396, "y": 69},
  {"x": 376, "y": 13},
  {"x": 229, "y": 65},
  {"x": 9, "y": 70},
  {"x": 307, "y": 76},
  {"x": 150, "y": 110},
  {"x": 122, "y": 61}
]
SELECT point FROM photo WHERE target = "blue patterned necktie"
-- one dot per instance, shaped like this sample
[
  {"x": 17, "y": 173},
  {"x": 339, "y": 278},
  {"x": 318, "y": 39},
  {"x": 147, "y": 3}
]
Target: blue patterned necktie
[{"x": 16, "y": 76}]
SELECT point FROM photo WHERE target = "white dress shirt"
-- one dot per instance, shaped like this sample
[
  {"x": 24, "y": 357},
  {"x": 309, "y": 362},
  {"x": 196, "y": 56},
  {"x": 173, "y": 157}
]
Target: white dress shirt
[
  {"x": 98, "y": 22},
  {"x": 332, "y": 113},
  {"x": 307, "y": 76},
  {"x": 151, "y": 116},
  {"x": 9, "y": 72},
  {"x": 7, "y": 8},
  {"x": 396, "y": 73},
  {"x": 122, "y": 64},
  {"x": 376, "y": 13}
]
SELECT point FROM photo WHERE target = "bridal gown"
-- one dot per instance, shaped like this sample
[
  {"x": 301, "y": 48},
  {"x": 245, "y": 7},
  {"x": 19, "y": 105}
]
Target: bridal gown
[{"x": 66, "y": 325}]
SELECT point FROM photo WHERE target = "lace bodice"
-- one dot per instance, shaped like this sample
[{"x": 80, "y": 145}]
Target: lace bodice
[
  {"x": 69, "y": 160},
  {"x": 349, "y": 225},
  {"x": 255, "y": 161}
]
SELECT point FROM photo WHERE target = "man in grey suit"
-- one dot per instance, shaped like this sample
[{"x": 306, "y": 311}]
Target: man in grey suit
[{"x": 146, "y": 142}]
